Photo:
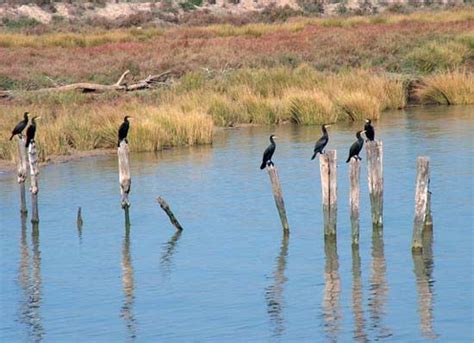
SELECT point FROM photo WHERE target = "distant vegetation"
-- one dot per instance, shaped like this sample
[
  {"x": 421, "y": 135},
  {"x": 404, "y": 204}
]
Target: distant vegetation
[{"x": 305, "y": 71}]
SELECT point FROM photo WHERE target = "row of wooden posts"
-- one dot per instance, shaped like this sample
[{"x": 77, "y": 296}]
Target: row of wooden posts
[{"x": 328, "y": 171}]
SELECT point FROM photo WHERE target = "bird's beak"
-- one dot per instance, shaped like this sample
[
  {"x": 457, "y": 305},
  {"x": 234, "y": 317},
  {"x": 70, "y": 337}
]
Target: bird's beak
[
  {"x": 38, "y": 117},
  {"x": 327, "y": 125},
  {"x": 363, "y": 131},
  {"x": 275, "y": 137}
]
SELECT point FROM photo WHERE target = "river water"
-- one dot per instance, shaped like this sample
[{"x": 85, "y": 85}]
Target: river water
[{"x": 231, "y": 275}]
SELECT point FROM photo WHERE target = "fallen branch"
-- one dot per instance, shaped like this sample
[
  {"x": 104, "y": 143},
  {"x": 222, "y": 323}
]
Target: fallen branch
[{"x": 150, "y": 82}]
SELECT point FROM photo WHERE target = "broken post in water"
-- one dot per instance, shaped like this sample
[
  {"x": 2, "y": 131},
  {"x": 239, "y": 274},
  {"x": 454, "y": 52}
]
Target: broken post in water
[
  {"x": 164, "y": 205},
  {"x": 124, "y": 173},
  {"x": 22, "y": 172},
  {"x": 421, "y": 201},
  {"x": 34, "y": 187},
  {"x": 354, "y": 198},
  {"x": 328, "y": 169},
  {"x": 375, "y": 176},
  {"x": 278, "y": 195}
]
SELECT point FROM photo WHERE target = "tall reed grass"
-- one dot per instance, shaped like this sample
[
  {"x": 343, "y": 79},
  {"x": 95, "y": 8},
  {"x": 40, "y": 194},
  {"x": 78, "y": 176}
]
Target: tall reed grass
[{"x": 451, "y": 88}]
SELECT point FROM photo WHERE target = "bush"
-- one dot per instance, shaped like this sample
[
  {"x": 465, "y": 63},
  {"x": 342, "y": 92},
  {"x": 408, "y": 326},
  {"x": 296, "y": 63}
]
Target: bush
[
  {"x": 311, "y": 6},
  {"x": 20, "y": 23},
  {"x": 437, "y": 56}
]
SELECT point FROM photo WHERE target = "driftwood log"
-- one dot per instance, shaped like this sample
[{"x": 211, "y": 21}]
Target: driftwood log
[
  {"x": 151, "y": 81},
  {"x": 22, "y": 168}
]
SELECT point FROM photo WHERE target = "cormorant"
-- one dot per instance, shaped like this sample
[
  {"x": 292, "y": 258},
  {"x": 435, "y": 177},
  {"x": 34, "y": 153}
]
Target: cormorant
[
  {"x": 322, "y": 142},
  {"x": 356, "y": 147},
  {"x": 30, "y": 131},
  {"x": 267, "y": 155},
  {"x": 20, "y": 126},
  {"x": 369, "y": 130},
  {"x": 123, "y": 130}
]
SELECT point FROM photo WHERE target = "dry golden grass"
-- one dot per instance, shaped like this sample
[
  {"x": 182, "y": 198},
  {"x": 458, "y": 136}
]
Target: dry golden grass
[
  {"x": 63, "y": 130},
  {"x": 451, "y": 88}
]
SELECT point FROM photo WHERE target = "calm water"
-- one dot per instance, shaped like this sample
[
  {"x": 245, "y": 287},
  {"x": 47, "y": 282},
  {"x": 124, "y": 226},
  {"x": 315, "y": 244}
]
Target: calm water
[{"x": 230, "y": 275}]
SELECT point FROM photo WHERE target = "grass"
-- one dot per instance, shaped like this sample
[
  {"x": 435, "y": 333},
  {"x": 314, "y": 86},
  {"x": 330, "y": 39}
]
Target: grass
[{"x": 452, "y": 88}]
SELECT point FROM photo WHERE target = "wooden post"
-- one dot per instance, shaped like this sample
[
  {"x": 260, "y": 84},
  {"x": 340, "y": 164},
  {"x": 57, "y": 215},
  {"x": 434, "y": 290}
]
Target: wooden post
[
  {"x": 164, "y": 205},
  {"x": 34, "y": 187},
  {"x": 429, "y": 217},
  {"x": 328, "y": 170},
  {"x": 278, "y": 195},
  {"x": 124, "y": 173},
  {"x": 22, "y": 172},
  {"x": 354, "y": 198},
  {"x": 421, "y": 201},
  {"x": 375, "y": 175}
]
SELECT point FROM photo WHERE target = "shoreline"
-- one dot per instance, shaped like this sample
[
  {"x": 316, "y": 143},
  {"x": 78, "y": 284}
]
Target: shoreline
[{"x": 9, "y": 167}]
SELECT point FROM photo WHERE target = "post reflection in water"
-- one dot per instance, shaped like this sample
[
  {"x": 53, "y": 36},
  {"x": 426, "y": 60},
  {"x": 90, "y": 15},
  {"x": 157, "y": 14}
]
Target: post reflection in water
[
  {"x": 378, "y": 287},
  {"x": 128, "y": 282},
  {"x": 29, "y": 278},
  {"x": 168, "y": 251},
  {"x": 332, "y": 290},
  {"x": 423, "y": 263},
  {"x": 357, "y": 306},
  {"x": 274, "y": 292}
]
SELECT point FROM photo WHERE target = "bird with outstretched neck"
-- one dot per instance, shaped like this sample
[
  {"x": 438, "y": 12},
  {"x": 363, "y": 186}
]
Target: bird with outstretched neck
[
  {"x": 31, "y": 131},
  {"x": 322, "y": 142},
  {"x": 268, "y": 153},
  {"x": 369, "y": 130},
  {"x": 356, "y": 147},
  {"x": 123, "y": 130},
  {"x": 20, "y": 126}
]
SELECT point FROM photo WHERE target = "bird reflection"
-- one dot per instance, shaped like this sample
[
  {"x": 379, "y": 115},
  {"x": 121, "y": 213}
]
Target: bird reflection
[
  {"x": 423, "y": 263},
  {"x": 274, "y": 292},
  {"x": 29, "y": 278},
  {"x": 357, "y": 307},
  {"x": 332, "y": 290},
  {"x": 128, "y": 284},
  {"x": 378, "y": 287},
  {"x": 168, "y": 251}
]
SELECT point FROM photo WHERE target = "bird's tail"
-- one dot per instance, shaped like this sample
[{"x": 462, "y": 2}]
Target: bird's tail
[
  {"x": 348, "y": 159},
  {"x": 314, "y": 155},
  {"x": 12, "y": 137},
  {"x": 264, "y": 164}
]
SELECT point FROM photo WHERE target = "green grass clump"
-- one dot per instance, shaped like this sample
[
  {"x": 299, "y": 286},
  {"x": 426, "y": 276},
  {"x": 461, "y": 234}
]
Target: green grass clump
[{"x": 437, "y": 56}]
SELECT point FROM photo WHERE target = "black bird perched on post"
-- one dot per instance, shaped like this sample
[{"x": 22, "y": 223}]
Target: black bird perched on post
[
  {"x": 30, "y": 131},
  {"x": 369, "y": 130},
  {"x": 356, "y": 147},
  {"x": 322, "y": 142},
  {"x": 267, "y": 155},
  {"x": 123, "y": 130},
  {"x": 20, "y": 126}
]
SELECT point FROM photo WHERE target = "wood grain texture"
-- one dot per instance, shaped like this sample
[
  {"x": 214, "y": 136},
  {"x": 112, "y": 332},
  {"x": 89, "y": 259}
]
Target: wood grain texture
[
  {"x": 34, "y": 186},
  {"x": 124, "y": 173},
  {"x": 278, "y": 195},
  {"x": 375, "y": 180},
  {"x": 354, "y": 198},
  {"x": 421, "y": 200},
  {"x": 328, "y": 172},
  {"x": 22, "y": 172}
]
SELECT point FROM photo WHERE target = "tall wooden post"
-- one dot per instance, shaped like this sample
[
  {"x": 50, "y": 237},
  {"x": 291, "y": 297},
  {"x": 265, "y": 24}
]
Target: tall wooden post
[
  {"x": 124, "y": 173},
  {"x": 22, "y": 172},
  {"x": 328, "y": 170},
  {"x": 165, "y": 207},
  {"x": 34, "y": 186},
  {"x": 354, "y": 198},
  {"x": 421, "y": 201},
  {"x": 278, "y": 195},
  {"x": 375, "y": 175}
]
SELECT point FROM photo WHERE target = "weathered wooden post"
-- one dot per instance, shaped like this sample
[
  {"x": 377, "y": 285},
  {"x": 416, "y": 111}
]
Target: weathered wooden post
[
  {"x": 124, "y": 173},
  {"x": 354, "y": 198},
  {"x": 278, "y": 195},
  {"x": 165, "y": 207},
  {"x": 421, "y": 201},
  {"x": 375, "y": 175},
  {"x": 34, "y": 187},
  {"x": 22, "y": 172},
  {"x": 328, "y": 170}
]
